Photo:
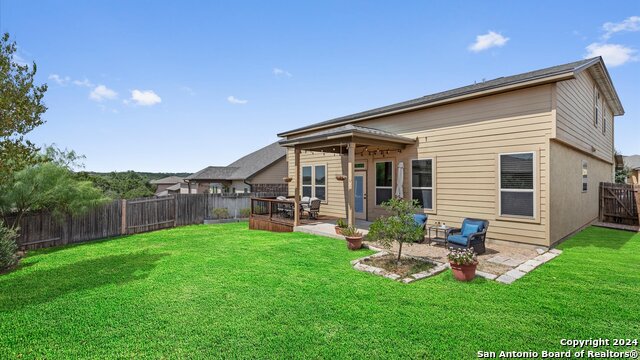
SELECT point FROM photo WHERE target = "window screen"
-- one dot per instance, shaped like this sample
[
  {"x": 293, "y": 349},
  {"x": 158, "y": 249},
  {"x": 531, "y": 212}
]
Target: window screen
[
  {"x": 517, "y": 184},
  {"x": 384, "y": 181},
  {"x": 422, "y": 182}
]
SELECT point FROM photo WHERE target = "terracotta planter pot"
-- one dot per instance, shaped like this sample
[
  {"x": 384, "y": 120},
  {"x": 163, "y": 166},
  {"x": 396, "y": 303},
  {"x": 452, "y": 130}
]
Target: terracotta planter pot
[
  {"x": 338, "y": 230},
  {"x": 354, "y": 242},
  {"x": 464, "y": 272}
]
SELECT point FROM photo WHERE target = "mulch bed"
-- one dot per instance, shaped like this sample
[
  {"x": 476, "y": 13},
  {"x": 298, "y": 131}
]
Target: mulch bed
[{"x": 406, "y": 267}]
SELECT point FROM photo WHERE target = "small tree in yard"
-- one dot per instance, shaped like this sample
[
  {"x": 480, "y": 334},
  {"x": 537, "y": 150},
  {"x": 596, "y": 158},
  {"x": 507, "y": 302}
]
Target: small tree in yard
[
  {"x": 48, "y": 187},
  {"x": 398, "y": 226},
  {"x": 8, "y": 247}
]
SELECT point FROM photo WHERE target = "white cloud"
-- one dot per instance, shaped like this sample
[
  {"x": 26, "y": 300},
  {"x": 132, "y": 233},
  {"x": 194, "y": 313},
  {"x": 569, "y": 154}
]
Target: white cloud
[
  {"x": 487, "y": 41},
  {"x": 84, "y": 83},
  {"x": 613, "y": 54},
  {"x": 281, "y": 72},
  {"x": 60, "y": 80},
  {"x": 101, "y": 92},
  {"x": 629, "y": 24},
  {"x": 232, "y": 99},
  {"x": 145, "y": 97}
]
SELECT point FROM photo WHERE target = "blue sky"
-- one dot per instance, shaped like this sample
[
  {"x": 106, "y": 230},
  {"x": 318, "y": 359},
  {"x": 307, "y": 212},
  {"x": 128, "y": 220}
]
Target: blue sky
[{"x": 177, "y": 86}]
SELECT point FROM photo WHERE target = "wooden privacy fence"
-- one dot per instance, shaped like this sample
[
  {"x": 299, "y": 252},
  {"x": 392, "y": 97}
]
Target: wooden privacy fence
[
  {"x": 619, "y": 204},
  {"x": 122, "y": 217}
]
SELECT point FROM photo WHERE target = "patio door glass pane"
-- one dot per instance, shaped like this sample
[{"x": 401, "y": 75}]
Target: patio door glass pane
[{"x": 358, "y": 184}]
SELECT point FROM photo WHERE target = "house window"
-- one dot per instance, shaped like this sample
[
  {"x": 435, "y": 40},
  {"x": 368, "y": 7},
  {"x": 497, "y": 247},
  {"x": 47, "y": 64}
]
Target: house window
[
  {"x": 604, "y": 121},
  {"x": 246, "y": 191},
  {"x": 307, "y": 181},
  {"x": 314, "y": 181},
  {"x": 585, "y": 177},
  {"x": 360, "y": 166},
  {"x": 422, "y": 182},
  {"x": 598, "y": 108},
  {"x": 384, "y": 181},
  {"x": 517, "y": 184},
  {"x": 320, "y": 186}
]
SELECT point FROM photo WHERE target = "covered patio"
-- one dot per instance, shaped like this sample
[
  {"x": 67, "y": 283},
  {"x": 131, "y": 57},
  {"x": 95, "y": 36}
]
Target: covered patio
[{"x": 350, "y": 141}]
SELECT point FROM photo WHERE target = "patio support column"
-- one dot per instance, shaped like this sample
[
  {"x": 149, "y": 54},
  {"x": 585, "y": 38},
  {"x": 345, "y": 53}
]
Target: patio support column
[
  {"x": 296, "y": 200},
  {"x": 351, "y": 160}
]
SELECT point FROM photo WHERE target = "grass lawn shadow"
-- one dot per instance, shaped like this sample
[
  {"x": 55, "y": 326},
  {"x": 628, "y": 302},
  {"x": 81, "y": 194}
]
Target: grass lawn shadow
[{"x": 42, "y": 286}]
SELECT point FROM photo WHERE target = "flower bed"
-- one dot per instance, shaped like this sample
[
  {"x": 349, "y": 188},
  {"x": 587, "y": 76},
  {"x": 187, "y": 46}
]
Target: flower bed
[{"x": 410, "y": 268}]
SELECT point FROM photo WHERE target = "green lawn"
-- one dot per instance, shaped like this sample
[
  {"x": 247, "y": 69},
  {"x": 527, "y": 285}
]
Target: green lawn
[{"x": 225, "y": 291}]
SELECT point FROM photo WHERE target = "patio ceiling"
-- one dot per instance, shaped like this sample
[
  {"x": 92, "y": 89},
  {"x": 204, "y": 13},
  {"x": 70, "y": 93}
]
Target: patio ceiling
[{"x": 336, "y": 140}]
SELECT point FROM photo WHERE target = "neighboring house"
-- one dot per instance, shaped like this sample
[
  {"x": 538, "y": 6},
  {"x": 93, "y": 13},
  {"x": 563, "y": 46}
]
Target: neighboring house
[
  {"x": 525, "y": 152},
  {"x": 170, "y": 185},
  {"x": 261, "y": 171},
  {"x": 633, "y": 163}
]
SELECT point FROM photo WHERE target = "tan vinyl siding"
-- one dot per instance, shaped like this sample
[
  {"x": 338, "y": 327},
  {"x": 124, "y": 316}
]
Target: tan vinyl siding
[
  {"x": 571, "y": 208},
  {"x": 575, "y": 117},
  {"x": 335, "y": 205},
  {"x": 464, "y": 139},
  {"x": 272, "y": 174}
]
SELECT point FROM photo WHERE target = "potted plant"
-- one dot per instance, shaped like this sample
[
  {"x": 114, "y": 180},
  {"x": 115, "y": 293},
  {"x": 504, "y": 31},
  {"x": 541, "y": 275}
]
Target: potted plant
[
  {"x": 340, "y": 224},
  {"x": 341, "y": 177},
  {"x": 353, "y": 236},
  {"x": 287, "y": 179},
  {"x": 463, "y": 263}
]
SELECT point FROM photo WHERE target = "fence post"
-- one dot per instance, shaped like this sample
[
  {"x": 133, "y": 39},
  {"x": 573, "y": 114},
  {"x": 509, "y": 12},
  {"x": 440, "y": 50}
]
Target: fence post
[
  {"x": 636, "y": 190},
  {"x": 175, "y": 210},
  {"x": 601, "y": 202},
  {"x": 123, "y": 219}
]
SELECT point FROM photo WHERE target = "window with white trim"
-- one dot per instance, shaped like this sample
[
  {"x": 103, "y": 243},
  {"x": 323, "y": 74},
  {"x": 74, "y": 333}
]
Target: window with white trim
[
  {"x": 422, "y": 182},
  {"x": 604, "y": 121},
  {"x": 307, "y": 181},
  {"x": 585, "y": 177},
  {"x": 598, "y": 107},
  {"x": 384, "y": 181},
  {"x": 517, "y": 185},
  {"x": 314, "y": 181},
  {"x": 320, "y": 182}
]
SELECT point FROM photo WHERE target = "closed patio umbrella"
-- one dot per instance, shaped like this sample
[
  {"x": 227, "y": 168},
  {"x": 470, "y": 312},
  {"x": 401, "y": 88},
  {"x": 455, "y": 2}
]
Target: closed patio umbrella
[{"x": 400, "y": 181}]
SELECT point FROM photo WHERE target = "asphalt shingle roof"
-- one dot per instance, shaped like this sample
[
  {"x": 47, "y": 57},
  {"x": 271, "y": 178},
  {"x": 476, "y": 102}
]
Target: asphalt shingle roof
[
  {"x": 632, "y": 161},
  {"x": 469, "y": 89},
  {"x": 168, "y": 180},
  {"x": 244, "y": 167},
  {"x": 350, "y": 128}
]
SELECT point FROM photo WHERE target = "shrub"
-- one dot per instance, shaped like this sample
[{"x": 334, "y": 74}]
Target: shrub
[
  {"x": 8, "y": 247},
  {"x": 245, "y": 213},
  {"x": 341, "y": 223},
  {"x": 351, "y": 231},
  {"x": 399, "y": 226},
  {"x": 221, "y": 213}
]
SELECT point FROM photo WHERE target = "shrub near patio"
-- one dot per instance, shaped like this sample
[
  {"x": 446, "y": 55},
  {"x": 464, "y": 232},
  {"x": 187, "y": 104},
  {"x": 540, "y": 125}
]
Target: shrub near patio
[{"x": 222, "y": 291}]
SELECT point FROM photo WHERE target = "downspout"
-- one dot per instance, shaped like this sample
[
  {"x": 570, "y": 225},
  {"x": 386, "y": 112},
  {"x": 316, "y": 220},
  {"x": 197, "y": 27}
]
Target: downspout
[{"x": 250, "y": 186}]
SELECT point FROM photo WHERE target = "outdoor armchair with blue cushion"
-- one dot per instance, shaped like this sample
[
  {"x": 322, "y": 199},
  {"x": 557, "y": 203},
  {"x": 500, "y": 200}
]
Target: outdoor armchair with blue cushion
[
  {"x": 421, "y": 220},
  {"x": 471, "y": 234}
]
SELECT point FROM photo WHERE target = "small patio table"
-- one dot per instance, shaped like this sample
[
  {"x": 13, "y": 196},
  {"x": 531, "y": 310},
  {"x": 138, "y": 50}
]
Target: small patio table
[{"x": 442, "y": 240}]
